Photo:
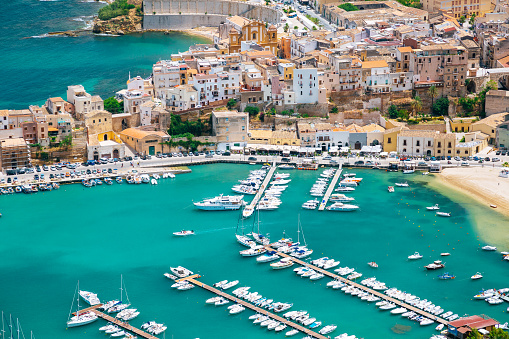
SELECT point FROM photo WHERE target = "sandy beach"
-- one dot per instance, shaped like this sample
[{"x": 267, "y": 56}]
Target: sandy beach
[
  {"x": 485, "y": 187},
  {"x": 481, "y": 183}
]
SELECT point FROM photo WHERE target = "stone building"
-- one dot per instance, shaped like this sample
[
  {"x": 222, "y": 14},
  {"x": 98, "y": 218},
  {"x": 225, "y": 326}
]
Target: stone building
[
  {"x": 146, "y": 142},
  {"x": 238, "y": 30},
  {"x": 14, "y": 153},
  {"x": 231, "y": 128}
]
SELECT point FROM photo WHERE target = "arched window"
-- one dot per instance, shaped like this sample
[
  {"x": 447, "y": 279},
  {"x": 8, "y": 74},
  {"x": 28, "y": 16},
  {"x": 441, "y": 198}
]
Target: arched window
[{"x": 254, "y": 36}]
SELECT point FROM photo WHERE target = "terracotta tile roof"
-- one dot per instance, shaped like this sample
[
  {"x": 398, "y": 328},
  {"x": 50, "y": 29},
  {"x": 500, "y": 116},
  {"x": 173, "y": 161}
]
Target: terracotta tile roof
[
  {"x": 353, "y": 128},
  {"x": 139, "y": 134},
  {"x": 405, "y": 49},
  {"x": 56, "y": 99},
  {"x": 473, "y": 321},
  {"x": 374, "y": 64},
  {"x": 373, "y": 128},
  {"x": 504, "y": 61}
]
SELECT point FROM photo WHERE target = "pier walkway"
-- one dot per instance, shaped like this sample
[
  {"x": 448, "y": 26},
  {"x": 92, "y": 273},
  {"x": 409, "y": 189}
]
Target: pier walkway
[
  {"x": 364, "y": 288},
  {"x": 246, "y": 304},
  {"x": 330, "y": 189},
  {"x": 264, "y": 185},
  {"x": 117, "y": 322}
]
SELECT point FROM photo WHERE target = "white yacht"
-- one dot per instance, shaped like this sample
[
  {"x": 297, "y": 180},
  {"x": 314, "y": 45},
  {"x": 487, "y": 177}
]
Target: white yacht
[
  {"x": 180, "y": 271},
  {"x": 433, "y": 208},
  {"x": 82, "y": 319},
  {"x": 253, "y": 251},
  {"x": 489, "y": 248},
  {"x": 476, "y": 276},
  {"x": 145, "y": 178},
  {"x": 310, "y": 204},
  {"x": 221, "y": 203},
  {"x": 90, "y": 298},
  {"x": 345, "y": 189},
  {"x": 283, "y": 263},
  {"x": 246, "y": 241},
  {"x": 338, "y": 206},
  {"x": 268, "y": 257},
  {"x": 415, "y": 256},
  {"x": 402, "y": 184},
  {"x": 348, "y": 183},
  {"x": 340, "y": 197},
  {"x": 183, "y": 233}
]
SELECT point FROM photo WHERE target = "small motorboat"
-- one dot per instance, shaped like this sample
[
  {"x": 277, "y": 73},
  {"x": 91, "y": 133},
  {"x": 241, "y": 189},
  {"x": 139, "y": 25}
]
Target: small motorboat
[
  {"x": 440, "y": 327},
  {"x": 373, "y": 264},
  {"x": 402, "y": 184},
  {"x": 435, "y": 265},
  {"x": 327, "y": 329},
  {"x": 445, "y": 254},
  {"x": 291, "y": 333},
  {"x": 415, "y": 256},
  {"x": 489, "y": 248},
  {"x": 493, "y": 206},
  {"x": 476, "y": 276},
  {"x": 390, "y": 189},
  {"x": 425, "y": 173},
  {"x": 446, "y": 276},
  {"x": 433, "y": 208},
  {"x": 443, "y": 214},
  {"x": 408, "y": 171},
  {"x": 183, "y": 233}
]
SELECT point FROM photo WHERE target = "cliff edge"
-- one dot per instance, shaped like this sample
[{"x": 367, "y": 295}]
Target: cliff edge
[{"x": 129, "y": 21}]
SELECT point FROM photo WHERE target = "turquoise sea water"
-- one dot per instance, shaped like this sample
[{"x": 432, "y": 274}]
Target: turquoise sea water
[
  {"x": 35, "y": 69},
  {"x": 50, "y": 240}
]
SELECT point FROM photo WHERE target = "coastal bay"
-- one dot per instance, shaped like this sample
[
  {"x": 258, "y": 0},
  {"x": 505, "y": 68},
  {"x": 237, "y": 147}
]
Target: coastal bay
[
  {"x": 44, "y": 66},
  {"x": 94, "y": 241}
]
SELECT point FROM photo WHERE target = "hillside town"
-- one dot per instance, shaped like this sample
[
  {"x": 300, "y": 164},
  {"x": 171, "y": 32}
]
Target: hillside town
[{"x": 375, "y": 77}]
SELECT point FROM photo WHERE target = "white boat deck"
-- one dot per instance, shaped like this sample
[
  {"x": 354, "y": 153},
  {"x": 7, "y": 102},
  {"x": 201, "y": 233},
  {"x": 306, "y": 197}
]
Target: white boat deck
[
  {"x": 330, "y": 189},
  {"x": 264, "y": 185}
]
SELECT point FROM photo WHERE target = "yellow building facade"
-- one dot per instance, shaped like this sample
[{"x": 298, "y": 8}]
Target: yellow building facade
[
  {"x": 256, "y": 32},
  {"x": 391, "y": 138}
]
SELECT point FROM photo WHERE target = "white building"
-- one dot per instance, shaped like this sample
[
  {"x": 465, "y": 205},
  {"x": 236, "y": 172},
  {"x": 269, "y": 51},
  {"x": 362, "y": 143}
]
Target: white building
[
  {"x": 133, "y": 99},
  {"x": 167, "y": 74},
  {"x": 299, "y": 47},
  {"x": 180, "y": 98},
  {"x": 376, "y": 76},
  {"x": 83, "y": 102},
  {"x": 416, "y": 142},
  {"x": 305, "y": 85},
  {"x": 327, "y": 139},
  {"x": 215, "y": 87}
]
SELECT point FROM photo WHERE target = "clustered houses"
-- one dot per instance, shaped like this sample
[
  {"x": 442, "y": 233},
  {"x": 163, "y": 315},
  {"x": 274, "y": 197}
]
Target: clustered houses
[{"x": 382, "y": 47}]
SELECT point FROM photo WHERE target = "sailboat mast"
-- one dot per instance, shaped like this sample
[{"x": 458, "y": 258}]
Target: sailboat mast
[
  {"x": 10, "y": 325},
  {"x": 3, "y": 325},
  {"x": 17, "y": 321},
  {"x": 121, "y": 288}
]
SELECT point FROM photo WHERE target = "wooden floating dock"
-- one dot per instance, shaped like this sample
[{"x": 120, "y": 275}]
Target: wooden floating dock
[
  {"x": 330, "y": 189},
  {"x": 255, "y": 308},
  {"x": 364, "y": 288},
  {"x": 117, "y": 322},
  {"x": 266, "y": 181}
]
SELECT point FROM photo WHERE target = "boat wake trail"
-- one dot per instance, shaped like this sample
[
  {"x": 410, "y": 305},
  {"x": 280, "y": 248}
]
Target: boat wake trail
[{"x": 217, "y": 230}]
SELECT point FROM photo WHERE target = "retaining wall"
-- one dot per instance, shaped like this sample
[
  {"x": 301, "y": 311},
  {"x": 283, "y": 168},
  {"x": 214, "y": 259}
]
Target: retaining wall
[{"x": 186, "y": 14}]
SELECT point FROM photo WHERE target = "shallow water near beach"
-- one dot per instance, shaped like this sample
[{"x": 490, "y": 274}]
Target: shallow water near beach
[{"x": 50, "y": 240}]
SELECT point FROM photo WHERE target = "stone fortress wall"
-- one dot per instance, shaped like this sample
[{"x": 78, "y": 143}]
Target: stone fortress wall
[{"x": 187, "y": 14}]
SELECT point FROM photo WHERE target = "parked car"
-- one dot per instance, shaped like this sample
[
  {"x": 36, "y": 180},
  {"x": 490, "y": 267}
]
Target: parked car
[
  {"x": 252, "y": 159},
  {"x": 495, "y": 159},
  {"x": 464, "y": 163},
  {"x": 359, "y": 162}
]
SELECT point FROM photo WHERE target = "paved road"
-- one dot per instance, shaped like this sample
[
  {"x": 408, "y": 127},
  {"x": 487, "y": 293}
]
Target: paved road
[{"x": 123, "y": 167}]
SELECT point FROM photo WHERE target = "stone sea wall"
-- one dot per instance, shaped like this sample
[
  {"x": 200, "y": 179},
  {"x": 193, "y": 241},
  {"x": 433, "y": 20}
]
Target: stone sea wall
[{"x": 186, "y": 14}]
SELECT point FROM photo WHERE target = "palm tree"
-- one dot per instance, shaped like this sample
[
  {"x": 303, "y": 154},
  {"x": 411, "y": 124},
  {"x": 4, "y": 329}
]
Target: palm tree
[
  {"x": 433, "y": 93},
  {"x": 416, "y": 104}
]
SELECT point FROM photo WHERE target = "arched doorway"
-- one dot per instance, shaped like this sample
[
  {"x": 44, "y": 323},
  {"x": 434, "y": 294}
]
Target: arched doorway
[
  {"x": 375, "y": 142},
  {"x": 152, "y": 150},
  {"x": 115, "y": 153},
  {"x": 105, "y": 137},
  {"x": 324, "y": 147},
  {"x": 471, "y": 87},
  {"x": 428, "y": 153},
  {"x": 357, "y": 145},
  {"x": 96, "y": 155},
  {"x": 124, "y": 124}
]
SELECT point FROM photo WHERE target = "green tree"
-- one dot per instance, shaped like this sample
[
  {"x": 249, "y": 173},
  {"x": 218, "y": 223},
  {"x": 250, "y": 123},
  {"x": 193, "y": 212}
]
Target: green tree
[
  {"x": 433, "y": 93},
  {"x": 113, "y": 106},
  {"x": 403, "y": 114},
  {"x": 392, "y": 111},
  {"x": 498, "y": 333},
  {"x": 441, "y": 107},
  {"x": 66, "y": 142},
  {"x": 286, "y": 27},
  {"x": 116, "y": 8},
  {"x": 471, "y": 21},
  {"x": 334, "y": 110},
  {"x": 474, "y": 334},
  {"x": 416, "y": 104},
  {"x": 252, "y": 110},
  {"x": 462, "y": 19},
  {"x": 348, "y": 7},
  {"x": 179, "y": 128},
  {"x": 231, "y": 103}
]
